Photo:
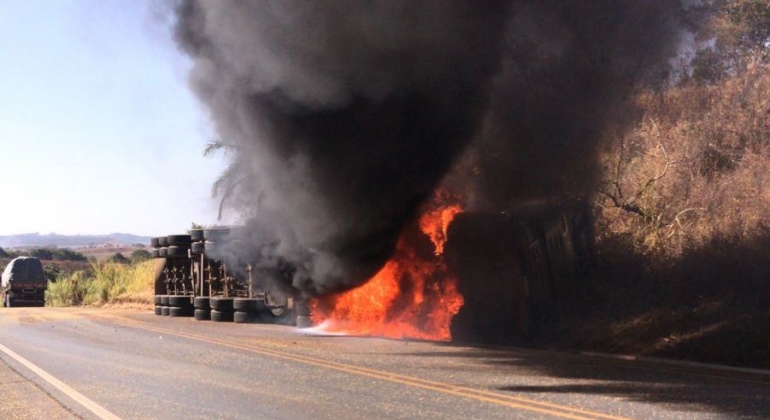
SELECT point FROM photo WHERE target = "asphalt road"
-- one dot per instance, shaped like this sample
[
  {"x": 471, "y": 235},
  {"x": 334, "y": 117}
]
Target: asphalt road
[{"x": 113, "y": 364}]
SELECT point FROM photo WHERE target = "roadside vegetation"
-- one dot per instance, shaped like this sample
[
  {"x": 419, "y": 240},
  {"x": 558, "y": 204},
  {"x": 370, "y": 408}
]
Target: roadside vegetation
[
  {"x": 683, "y": 214},
  {"x": 109, "y": 283}
]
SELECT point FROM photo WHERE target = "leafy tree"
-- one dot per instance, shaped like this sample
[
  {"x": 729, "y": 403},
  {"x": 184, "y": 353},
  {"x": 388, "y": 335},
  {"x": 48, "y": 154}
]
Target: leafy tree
[
  {"x": 41, "y": 253},
  {"x": 52, "y": 272},
  {"x": 232, "y": 180},
  {"x": 119, "y": 258},
  {"x": 140, "y": 255}
]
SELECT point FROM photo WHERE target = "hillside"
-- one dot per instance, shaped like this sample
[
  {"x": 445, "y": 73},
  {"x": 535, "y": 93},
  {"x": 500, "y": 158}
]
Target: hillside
[{"x": 26, "y": 240}]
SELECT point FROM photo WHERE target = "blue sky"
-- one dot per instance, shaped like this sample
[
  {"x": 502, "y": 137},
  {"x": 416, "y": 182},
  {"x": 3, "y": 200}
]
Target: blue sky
[{"x": 99, "y": 132}]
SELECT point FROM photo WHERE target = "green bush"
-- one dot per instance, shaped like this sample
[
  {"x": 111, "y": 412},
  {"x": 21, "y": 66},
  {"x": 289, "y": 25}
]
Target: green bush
[{"x": 104, "y": 284}]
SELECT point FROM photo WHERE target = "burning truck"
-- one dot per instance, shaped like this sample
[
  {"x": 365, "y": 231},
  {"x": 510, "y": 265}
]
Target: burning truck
[{"x": 464, "y": 276}]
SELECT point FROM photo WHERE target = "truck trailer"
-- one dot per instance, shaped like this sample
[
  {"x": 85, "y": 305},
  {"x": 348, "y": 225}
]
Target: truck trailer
[{"x": 23, "y": 283}]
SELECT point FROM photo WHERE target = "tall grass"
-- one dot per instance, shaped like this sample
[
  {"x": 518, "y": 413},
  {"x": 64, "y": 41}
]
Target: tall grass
[{"x": 105, "y": 283}]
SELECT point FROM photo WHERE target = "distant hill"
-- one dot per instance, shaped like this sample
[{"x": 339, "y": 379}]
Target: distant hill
[{"x": 26, "y": 240}]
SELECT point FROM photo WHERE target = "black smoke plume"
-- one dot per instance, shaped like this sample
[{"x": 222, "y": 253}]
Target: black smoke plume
[{"x": 344, "y": 116}]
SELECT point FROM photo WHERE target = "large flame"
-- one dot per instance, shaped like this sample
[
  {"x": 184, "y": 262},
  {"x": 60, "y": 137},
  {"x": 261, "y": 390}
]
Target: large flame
[{"x": 412, "y": 296}]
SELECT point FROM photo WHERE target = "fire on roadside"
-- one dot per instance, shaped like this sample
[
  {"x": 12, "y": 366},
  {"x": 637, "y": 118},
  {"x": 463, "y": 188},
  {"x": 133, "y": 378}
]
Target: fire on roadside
[{"x": 412, "y": 296}]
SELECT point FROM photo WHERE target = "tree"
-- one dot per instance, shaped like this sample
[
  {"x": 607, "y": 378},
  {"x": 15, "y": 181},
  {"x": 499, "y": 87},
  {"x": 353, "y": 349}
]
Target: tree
[
  {"x": 232, "y": 178},
  {"x": 140, "y": 255},
  {"x": 119, "y": 259}
]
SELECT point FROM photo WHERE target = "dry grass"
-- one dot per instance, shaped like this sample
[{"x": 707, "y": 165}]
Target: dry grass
[{"x": 106, "y": 284}]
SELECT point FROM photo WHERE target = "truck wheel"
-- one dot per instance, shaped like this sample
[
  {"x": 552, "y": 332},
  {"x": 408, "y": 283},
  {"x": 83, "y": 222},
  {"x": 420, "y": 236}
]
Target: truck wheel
[
  {"x": 163, "y": 300},
  {"x": 176, "y": 251},
  {"x": 202, "y": 314},
  {"x": 201, "y": 302},
  {"x": 176, "y": 311},
  {"x": 221, "y": 316},
  {"x": 162, "y": 242},
  {"x": 221, "y": 303},
  {"x": 157, "y": 300},
  {"x": 245, "y": 304},
  {"x": 198, "y": 248},
  {"x": 154, "y": 242},
  {"x": 164, "y": 310},
  {"x": 241, "y": 317},
  {"x": 196, "y": 235},
  {"x": 155, "y": 253},
  {"x": 181, "y": 301},
  {"x": 179, "y": 240},
  {"x": 162, "y": 252},
  {"x": 158, "y": 310}
]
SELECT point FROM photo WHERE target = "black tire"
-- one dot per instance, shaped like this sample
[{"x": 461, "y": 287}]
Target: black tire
[
  {"x": 221, "y": 316},
  {"x": 245, "y": 304},
  {"x": 216, "y": 233},
  {"x": 162, "y": 252},
  {"x": 155, "y": 253},
  {"x": 196, "y": 235},
  {"x": 157, "y": 300},
  {"x": 182, "y": 301},
  {"x": 240, "y": 317},
  {"x": 164, "y": 310},
  {"x": 301, "y": 308},
  {"x": 198, "y": 248},
  {"x": 177, "y": 311},
  {"x": 201, "y": 302},
  {"x": 202, "y": 315},
  {"x": 163, "y": 300},
  {"x": 162, "y": 241},
  {"x": 179, "y": 240},
  {"x": 158, "y": 310},
  {"x": 221, "y": 303},
  {"x": 304, "y": 321},
  {"x": 174, "y": 251},
  {"x": 154, "y": 242}
]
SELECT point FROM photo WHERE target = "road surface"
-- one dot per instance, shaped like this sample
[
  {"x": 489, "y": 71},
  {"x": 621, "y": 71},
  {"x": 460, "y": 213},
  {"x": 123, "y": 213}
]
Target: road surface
[{"x": 71, "y": 363}]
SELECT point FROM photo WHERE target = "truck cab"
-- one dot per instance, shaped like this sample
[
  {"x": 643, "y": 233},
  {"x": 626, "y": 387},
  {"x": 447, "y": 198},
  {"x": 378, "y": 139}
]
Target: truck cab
[{"x": 23, "y": 283}]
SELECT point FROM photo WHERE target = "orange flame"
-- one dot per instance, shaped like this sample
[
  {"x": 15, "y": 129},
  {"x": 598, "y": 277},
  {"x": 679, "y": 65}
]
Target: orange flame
[{"x": 412, "y": 296}]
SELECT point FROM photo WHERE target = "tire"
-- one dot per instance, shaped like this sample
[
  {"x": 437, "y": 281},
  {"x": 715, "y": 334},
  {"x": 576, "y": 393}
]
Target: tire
[
  {"x": 240, "y": 317},
  {"x": 154, "y": 242},
  {"x": 202, "y": 315},
  {"x": 163, "y": 300},
  {"x": 301, "y": 308},
  {"x": 245, "y": 304},
  {"x": 179, "y": 240},
  {"x": 158, "y": 310},
  {"x": 162, "y": 241},
  {"x": 157, "y": 300},
  {"x": 162, "y": 252},
  {"x": 221, "y": 304},
  {"x": 198, "y": 248},
  {"x": 175, "y": 251},
  {"x": 216, "y": 233},
  {"x": 196, "y": 235},
  {"x": 182, "y": 301},
  {"x": 221, "y": 316},
  {"x": 304, "y": 321},
  {"x": 178, "y": 312},
  {"x": 164, "y": 310},
  {"x": 201, "y": 302},
  {"x": 155, "y": 253}
]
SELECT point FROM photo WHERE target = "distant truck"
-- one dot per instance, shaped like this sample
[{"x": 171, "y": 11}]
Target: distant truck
[{"x": 23, "y": 283}]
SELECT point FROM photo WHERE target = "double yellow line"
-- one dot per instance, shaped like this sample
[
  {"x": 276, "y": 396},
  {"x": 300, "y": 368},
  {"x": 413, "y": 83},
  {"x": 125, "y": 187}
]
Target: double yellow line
[{"x": 510, "y": 401}]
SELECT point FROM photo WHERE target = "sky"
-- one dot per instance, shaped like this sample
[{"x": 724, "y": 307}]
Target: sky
[{"x": 99, "y": 132}]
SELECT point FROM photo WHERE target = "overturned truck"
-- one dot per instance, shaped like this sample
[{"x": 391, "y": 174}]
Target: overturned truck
[
  {"x": 518, "y": 268},
  {"x": 194, "y": 279}
]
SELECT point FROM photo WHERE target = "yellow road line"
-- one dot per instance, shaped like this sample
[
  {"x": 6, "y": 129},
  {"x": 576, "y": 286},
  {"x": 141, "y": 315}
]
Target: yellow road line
[
  {"x": 81, "y": 399},
  {"x": 461, "y": 391}
]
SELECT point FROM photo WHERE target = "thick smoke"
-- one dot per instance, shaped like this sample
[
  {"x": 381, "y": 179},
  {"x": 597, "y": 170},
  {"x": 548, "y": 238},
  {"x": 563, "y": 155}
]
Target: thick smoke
[{"x": 344, "y": 116}]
